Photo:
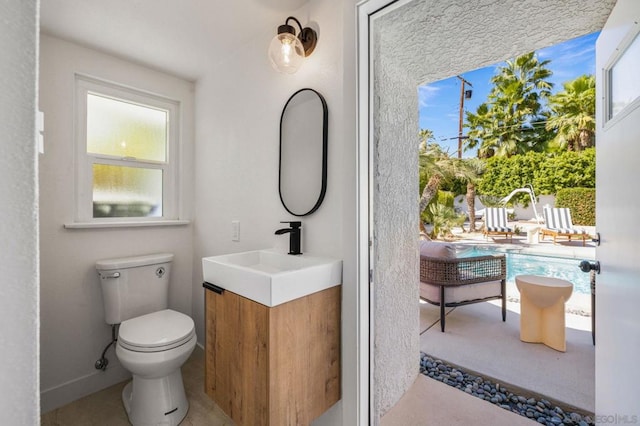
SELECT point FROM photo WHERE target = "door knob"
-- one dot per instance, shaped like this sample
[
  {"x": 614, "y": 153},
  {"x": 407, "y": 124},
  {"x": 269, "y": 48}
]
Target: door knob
[{"x": 586, "y": 266}]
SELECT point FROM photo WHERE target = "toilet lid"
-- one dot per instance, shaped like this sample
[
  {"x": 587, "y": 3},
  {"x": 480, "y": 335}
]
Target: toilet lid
[{"x": 156, "y": 331}]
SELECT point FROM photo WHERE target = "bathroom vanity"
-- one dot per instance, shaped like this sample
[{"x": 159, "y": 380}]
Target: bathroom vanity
[{"x": 272, "y": 361}]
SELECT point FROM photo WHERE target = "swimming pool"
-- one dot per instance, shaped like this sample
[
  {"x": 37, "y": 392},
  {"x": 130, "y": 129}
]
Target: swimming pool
[{"x": 530, "y": 264}]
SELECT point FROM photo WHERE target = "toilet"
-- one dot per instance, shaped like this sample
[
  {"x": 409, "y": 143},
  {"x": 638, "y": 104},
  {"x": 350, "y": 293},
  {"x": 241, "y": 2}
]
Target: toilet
[{"x": 153, "y": 341}]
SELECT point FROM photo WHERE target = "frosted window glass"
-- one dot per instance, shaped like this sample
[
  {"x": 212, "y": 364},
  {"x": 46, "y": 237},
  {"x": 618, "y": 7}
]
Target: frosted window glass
[
  {"x": 120, "y": 191},
  {"x": 625, "y": 84},
  {"x": 125, "y": 129}
]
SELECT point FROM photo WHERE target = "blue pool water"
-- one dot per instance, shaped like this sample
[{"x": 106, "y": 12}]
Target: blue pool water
[{"x": 528, "y": 264}]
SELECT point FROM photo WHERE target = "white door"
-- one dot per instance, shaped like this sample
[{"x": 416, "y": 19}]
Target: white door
[{"x": 618, "y": 216}]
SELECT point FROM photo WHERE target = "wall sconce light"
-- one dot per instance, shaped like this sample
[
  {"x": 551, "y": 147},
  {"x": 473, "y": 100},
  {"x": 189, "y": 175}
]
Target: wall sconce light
[{"x": 287, "y": 50}]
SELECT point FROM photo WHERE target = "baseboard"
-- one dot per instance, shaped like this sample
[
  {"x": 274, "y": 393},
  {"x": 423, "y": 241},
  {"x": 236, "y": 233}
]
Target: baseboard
[{"x": 67, "y": 392}]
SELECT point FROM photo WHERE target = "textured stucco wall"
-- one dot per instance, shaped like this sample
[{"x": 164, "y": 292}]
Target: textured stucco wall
[
  {"x": 19, "y": 399},
  {"x": 425, "y": 41},
  {"x": 395, "y": 223}
]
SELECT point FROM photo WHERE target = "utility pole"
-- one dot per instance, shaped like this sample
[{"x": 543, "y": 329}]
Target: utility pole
[{"x": 464, "y": 94}]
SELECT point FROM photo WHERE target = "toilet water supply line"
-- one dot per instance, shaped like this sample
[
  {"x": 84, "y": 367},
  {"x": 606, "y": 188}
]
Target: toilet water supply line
[{"x": 102, "y": 363}]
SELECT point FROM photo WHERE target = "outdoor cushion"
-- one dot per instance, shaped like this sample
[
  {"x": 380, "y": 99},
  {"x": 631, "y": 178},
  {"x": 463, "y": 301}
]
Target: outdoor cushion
[
  {"x": 495, "y": 222},
  {"x": 568, "y": 231},
  {"x": 457, "y": 294},
  {"x": 498, "y": 229},
  {"x": 437, "y": 249},
  {"x": 496, "y": 219},
  {"x": 559, "y": 220},
  {"x": 558, "y": 223}
]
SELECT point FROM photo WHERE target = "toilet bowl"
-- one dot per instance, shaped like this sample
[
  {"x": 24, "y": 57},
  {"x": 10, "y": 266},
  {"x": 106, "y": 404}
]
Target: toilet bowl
[
  {"x": 153, "y": 347},
  {"x": 153, "y": 341}
]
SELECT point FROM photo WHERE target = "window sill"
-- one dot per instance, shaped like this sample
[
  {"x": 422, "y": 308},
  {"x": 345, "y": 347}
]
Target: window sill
[{"x": 131, "y": 224}]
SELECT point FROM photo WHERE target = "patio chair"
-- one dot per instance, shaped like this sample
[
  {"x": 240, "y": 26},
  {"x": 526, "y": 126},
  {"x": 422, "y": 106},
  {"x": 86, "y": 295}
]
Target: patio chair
[
  {"x": 495, "y": 222},
  {"x": 447, "y": 281},
  {"x": 558, "y": 224}
]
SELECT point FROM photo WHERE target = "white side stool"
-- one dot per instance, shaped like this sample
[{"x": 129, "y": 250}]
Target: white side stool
[
  {"x": 542, "y": 317},
  {"x": 533, "y": 236}
]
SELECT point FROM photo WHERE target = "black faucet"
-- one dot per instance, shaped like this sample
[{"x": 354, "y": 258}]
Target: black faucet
[{"x": 294, "y": 238}]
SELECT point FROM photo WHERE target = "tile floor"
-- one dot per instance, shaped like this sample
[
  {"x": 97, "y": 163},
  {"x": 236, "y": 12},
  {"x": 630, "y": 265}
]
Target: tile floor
[
  {"x": 427, "y": 403},
  {"x": 105, "y": 408}
]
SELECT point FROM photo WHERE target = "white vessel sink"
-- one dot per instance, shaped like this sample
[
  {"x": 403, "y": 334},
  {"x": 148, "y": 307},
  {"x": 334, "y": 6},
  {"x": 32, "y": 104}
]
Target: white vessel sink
[{"x": 272, "y": 278}]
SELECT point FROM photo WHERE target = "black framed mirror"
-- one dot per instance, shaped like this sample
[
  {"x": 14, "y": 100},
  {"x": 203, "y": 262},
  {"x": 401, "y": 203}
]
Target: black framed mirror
[{"x": 302, "y": 181}]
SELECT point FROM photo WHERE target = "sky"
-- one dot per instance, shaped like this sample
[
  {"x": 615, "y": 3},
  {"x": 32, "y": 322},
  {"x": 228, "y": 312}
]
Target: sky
[{"x": 439, "y": 102}]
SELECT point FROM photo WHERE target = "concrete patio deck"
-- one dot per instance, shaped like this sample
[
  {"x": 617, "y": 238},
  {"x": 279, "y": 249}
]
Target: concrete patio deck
[
  {"x": 431, "y": 403},
  {"x": 477, "y": 340}
]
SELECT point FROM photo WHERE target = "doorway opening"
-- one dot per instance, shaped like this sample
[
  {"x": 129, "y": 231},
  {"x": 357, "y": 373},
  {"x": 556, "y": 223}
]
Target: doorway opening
[
  {"x": 507, "y": 136},
  {"x": 443, "y": 41}
]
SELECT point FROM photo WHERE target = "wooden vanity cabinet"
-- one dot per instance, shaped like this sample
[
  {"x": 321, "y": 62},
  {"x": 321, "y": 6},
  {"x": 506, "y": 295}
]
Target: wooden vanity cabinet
[{"x": 273, "y": 366}]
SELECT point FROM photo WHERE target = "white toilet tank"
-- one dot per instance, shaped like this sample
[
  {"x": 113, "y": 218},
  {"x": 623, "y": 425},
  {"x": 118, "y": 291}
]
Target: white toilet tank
[{"x": 134, "y": 286}]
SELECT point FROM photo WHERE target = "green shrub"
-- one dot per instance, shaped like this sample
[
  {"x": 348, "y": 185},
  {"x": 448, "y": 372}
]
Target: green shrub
[
  {"x": 571, "y": 169},
  {"x": 581, "y": 201},
  {"x": 547, "y": 173},
  {"x": 504, "y": 174},
  {"x": 444, "y": 219},
  {"x": 445, "y": 198}
]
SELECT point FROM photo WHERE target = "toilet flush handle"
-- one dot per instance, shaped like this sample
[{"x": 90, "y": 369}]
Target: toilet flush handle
[{"x": 106, "y": 275}]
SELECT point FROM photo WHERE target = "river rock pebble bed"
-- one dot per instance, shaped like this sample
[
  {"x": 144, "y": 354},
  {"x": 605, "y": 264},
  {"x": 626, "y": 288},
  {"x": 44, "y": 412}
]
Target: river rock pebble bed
[{"x": 535, "y": 408}]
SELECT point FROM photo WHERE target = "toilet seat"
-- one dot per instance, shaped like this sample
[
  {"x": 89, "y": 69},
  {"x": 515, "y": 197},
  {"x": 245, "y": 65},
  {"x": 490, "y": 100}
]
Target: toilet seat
[{"x": 156, "y": 332}]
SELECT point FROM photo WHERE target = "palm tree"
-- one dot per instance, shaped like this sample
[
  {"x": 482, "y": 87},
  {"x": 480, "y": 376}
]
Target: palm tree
[
  {"x": 511, "y": 121},
  {"x": 573, "y": 114},
  {"x": 426, "y": 136},
  {"x": 437, "y": 167},
  {"x": 444, "y": 218},
  {"x": 476, "y": 168},
  {"x": 479, "y": 124}
]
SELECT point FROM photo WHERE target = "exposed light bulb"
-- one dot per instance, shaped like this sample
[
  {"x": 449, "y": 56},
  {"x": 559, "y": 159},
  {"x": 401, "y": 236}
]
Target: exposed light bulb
[
  {"x": 286, "y": 53},
  {"x": 287, "y": 50}
]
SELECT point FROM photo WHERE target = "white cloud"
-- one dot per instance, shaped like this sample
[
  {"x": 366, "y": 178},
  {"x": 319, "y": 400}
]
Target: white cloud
[{"x": 426, "y": 94}]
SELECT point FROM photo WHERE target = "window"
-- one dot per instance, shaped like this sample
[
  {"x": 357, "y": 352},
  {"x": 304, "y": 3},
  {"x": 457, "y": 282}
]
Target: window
[
  {"x": 126, "y": 154},
  {"x": 624, "y": 87}
]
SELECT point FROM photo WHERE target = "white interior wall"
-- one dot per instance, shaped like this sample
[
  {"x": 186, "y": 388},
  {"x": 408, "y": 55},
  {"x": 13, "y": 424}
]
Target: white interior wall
[
  {"x": 19, "y": 393},
  {"x": 238, "y": 112},
  {"x": 73, "y": 330},
  {"x": 238, "y": 107},
  {"x": 420, "y": 42}
]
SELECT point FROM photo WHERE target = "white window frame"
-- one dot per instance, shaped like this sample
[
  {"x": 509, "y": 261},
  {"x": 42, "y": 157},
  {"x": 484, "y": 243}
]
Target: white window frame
[
  {"x": 84, "y": 161},
  {"x": 610, "y": 119}
]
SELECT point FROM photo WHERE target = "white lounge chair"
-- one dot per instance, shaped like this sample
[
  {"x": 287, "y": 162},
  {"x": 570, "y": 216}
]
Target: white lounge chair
[
  {"x": 495, "y": 222},
  {"x": 558, "y": 224}
]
